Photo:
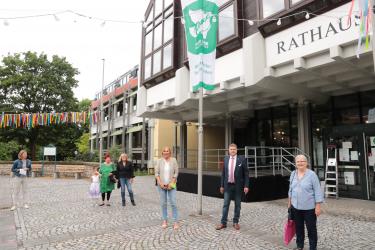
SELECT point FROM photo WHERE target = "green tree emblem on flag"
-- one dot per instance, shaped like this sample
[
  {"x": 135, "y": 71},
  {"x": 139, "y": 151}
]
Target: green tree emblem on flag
[{"x": 201, "y": 26}]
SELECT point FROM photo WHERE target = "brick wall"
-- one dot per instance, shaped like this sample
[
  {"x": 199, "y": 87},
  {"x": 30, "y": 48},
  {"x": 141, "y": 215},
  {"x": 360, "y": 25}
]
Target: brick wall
[{"x": 5, "y": 168}]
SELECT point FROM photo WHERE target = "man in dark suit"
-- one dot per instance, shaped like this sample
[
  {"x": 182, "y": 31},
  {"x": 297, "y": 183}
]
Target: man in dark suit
[{"x": 234, "y": 181}]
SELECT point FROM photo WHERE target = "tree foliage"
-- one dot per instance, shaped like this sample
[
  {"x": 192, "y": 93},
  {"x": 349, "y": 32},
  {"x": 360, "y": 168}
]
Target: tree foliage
[
  {"x": 8, "y": 150},
  {"x": 32, "y": 83},
  {"x": 84, "y": 105},
  {"x": 83, "y": 143}
]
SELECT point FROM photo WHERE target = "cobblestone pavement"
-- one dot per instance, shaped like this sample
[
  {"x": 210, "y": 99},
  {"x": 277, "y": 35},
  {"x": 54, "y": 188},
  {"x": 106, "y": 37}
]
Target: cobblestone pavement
[{"x": 62, "y": 216}]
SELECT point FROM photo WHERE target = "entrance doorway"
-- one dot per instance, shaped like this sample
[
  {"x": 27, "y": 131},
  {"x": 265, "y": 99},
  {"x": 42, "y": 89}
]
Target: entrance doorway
[{"x": 356, "y": 159}]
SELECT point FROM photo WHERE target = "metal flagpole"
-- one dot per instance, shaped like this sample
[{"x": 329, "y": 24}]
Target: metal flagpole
[
  {"x": 101, "y": 118},
  {"x": 200, "y": 150}
]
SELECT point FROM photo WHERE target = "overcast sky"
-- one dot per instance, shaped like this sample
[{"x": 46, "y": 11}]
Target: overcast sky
[{"x": 82, "y": 41}]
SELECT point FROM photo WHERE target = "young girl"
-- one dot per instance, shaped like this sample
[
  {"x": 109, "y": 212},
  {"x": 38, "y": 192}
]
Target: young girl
[{"x": 94, "y": 190}]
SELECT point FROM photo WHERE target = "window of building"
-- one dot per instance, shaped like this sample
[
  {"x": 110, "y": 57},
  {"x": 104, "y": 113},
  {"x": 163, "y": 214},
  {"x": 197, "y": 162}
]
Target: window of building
[
  {"x": 168, "y": 28},
  {"x": 226, "y": 23},
  {"x": 148, "y": 43},
  {"x": 134, "y": 104},
  {"x": 295, "y": 1},
  {"x": 158, "y": 39},
  {"x": 158, "y": 36},
  {"x": 168, "y": 3},
  {"x": 167, "y": 62},
  {"x": 157, "y": 62},
  {"x": 147, "y": 67},
  {"x": 271, "y": 7},
  {"x": 158, "y": 6}
]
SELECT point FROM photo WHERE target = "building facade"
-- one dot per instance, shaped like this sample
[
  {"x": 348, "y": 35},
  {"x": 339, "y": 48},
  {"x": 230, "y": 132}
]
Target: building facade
[{"x": 290, "y": 79}]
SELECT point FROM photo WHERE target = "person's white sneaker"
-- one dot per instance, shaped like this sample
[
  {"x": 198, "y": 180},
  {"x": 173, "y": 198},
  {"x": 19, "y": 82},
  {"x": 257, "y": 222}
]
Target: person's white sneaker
[
  {"x": 26, "y": 206},
  {"x": 13, "y": 208}
]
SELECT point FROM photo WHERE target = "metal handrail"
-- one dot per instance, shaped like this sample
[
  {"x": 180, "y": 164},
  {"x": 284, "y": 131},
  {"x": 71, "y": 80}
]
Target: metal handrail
[{"x": 259, "y": 159}]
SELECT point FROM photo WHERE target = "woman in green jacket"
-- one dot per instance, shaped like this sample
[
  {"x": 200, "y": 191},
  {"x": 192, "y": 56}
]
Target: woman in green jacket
[{"x": 106, "y": 186}]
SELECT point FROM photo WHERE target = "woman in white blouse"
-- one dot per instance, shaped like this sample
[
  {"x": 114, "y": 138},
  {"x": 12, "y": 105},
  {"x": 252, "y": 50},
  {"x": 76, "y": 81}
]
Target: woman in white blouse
[{"x": 166, "y": 172}]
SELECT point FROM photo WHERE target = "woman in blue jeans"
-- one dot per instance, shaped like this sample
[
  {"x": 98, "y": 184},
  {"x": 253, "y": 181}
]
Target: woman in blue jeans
[
  {"x": 305, "y": 197},
  {"x": 125, "y": 173},
  {"x": 166, "y": 172}
]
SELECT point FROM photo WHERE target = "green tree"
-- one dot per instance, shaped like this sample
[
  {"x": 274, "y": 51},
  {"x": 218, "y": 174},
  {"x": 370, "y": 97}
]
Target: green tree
[
  {"x": 84, "y": 105},
  {"x": 34, "y": 83},
  {"x": 8, "y": 150},
  {"x": 83, "y": 143}
]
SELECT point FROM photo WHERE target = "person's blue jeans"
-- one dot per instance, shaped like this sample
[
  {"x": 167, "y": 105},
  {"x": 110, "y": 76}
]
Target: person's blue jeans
[
  {"x": 166, "y": 195},
  {"x": 228, "y": 196},
  {"x": 126, "y": 182},
  {"x": 300, "y": 218}
]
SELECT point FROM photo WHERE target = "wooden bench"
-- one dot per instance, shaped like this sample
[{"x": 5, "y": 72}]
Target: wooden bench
[
  {"x": 71, "y": 169},
  {"x": 35, "y": 170}
]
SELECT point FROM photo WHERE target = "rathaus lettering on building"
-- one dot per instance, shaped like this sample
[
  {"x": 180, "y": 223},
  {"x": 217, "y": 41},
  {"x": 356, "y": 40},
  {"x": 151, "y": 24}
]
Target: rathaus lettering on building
[{"x": 331, "y": 28}]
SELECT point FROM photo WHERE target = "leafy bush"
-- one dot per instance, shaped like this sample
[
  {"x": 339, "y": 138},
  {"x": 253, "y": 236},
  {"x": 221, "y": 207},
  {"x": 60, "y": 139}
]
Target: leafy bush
[{"x": 9, "y": 150}]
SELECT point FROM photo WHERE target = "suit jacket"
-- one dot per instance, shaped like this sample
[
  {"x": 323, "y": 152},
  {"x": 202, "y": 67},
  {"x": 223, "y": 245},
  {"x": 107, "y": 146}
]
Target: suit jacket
[{"x": 241, "y": 173}]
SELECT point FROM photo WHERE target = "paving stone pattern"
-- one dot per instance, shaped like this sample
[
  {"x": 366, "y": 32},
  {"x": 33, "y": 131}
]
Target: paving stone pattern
[{"x": 62, "y": 216}]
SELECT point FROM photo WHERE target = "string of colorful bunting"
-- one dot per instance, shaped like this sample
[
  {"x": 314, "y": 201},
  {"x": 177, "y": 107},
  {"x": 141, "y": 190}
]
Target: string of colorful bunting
[
  {"x": 32, "y": 120},
  {"x": 365, "y": 14}
]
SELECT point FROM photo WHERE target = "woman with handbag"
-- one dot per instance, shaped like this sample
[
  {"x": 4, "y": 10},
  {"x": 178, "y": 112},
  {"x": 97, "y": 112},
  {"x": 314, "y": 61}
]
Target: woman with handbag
[
  {"x": 166, "y": 172},
  {"x": 305, "y": 197},
  {"x": 107, "y": 179},
  {"x": 125, "y": 174}
]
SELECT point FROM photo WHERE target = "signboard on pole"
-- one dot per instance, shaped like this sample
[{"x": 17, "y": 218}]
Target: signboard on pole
[
  {"x": 201, "y": 22},
  {"x": 371, "y": 115},
  {"x": 49, "y": 151}
]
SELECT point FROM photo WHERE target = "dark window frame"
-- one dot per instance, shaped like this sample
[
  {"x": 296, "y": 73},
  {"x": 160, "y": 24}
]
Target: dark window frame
[
  {"x": 287, "y": 6},
  {"x": 235, "y": 22},
  {"x": 167, "y": 12}
]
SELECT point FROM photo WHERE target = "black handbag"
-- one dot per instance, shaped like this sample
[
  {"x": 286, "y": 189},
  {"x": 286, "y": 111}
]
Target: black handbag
[{"x": 112, "y": 177}]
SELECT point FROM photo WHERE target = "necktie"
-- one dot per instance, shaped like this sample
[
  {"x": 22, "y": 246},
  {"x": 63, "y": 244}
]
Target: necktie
[{"x": 231, "y": 171}]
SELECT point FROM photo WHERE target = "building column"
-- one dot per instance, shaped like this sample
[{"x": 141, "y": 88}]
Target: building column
[
  {"x": 130, "y": 145},
  {"x": 115, "y": 110},
  {"x": 183, "y": 145},
  {"x": 114, "y": 140},
  {"x": 176, "y": 153},
  {"x": 143, "y": 142},
  {"x": 303, "y": 121},
  {"x": 131, "y": 104},
  {"x": 151, "y": 127},
  {"x": 228, "y": 130}
]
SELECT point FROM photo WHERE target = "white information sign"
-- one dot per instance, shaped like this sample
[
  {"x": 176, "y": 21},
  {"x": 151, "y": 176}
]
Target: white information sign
[
  {"x": 349, "y": 178},
  {"x": 354, "y": 155},
  {"x": 347, "y": 144},
  {"x": 371, "y": 115},
  {"x": 372, "y": 140},
  {"x": 344, "y": 154},
  {"x": 48, "y": 151}
]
